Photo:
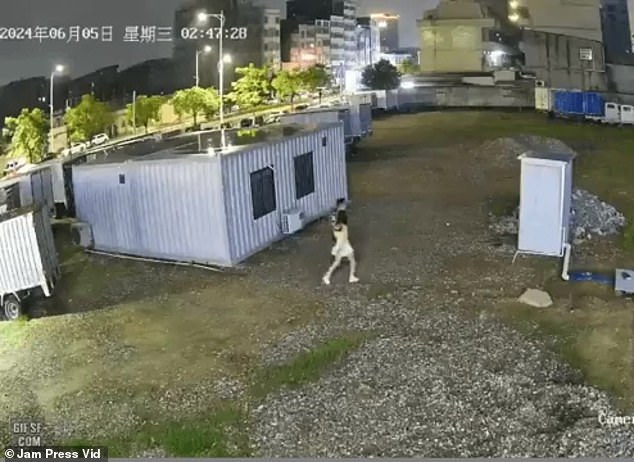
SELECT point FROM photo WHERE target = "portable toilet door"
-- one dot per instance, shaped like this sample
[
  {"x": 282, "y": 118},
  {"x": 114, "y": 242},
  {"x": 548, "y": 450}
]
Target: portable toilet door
[
  {"x": 627, "y": 114},
  {"x": 545, "y": 203},
  {"x": 612, "y": 113}
]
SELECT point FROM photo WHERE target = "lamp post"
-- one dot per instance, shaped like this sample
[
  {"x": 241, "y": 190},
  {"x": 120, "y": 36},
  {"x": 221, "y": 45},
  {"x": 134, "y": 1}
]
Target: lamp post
[
  {"x": 205, "y": 50},
  {"x": 56, "y": 70},
  {"x": 202, "y": 17}
]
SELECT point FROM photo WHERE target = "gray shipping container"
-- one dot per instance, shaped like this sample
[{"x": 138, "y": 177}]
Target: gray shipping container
[
  {"x": 27, "y": 252},
  {"x": 217, "y": 208},
  {"x": 365, "y": 116},
  {"x": 34, "y": 187},
  {"x": 323, "y": 116}
]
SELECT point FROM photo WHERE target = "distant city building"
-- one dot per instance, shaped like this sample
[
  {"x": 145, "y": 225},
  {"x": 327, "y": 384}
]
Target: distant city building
[
  {"x": 388, "y": 27},
  {"x": 368, "y": 39},
  {"x": 152, "y": 77},
  {"x": 579, "y": 18},
  {"x": 27, "y": 93},
  {"x": 101, "y": 83},
  {"x": 617, "y": 28},
  {"x": 251, "y": 35},
  {"x": 339, "y": 50},
  {"x": 398, "y": 57}
]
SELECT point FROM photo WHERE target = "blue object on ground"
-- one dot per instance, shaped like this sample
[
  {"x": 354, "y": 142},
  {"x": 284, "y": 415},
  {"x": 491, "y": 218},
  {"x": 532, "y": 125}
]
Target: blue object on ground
[{"x": 582, "y": 276}]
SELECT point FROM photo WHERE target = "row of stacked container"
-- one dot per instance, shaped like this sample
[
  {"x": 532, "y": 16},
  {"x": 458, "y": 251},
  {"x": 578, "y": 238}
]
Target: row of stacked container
[{"x": 582, "y": 105}]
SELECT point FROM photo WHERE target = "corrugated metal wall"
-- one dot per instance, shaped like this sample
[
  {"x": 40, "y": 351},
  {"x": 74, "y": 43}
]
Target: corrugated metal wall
[
  {"x": 169, "y": 209},
  {"x": 247, "y": 235},
  {"x": 27, "y": 252}
]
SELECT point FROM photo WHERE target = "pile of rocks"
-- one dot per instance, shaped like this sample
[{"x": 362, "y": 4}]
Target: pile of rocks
[
  {"x": 505, "y": 151},
  {"x": 590, "y": 216}
]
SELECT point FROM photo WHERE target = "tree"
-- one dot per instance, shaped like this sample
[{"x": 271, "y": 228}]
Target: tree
[
  {"x": 87, "y": 119},
  {"x": 382, "y": 76},
  {"x": 315, "y": 77},
  {"x": 196, "y": 101},
  {"x": 144, "y": 110},
  {"x": 28, "y": 134},
  {"x": 408, "y": 67},
  {"x": 252, "y": 89},
  {"x": 287, "y": 84}
]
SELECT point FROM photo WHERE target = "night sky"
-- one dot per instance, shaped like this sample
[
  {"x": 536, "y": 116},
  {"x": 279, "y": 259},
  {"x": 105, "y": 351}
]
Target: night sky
[{"x": 37, "y": 56}]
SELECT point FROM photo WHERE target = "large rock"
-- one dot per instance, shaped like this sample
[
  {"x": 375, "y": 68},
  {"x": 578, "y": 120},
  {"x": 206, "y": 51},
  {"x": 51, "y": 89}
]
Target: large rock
[{"x": 536, "y": 298}]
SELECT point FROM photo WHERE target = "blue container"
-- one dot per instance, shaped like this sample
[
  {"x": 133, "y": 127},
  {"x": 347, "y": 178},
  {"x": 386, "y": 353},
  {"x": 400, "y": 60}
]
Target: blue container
[
  {"x": 569, "y": 102},
  {"x": 593, "y": 104}
]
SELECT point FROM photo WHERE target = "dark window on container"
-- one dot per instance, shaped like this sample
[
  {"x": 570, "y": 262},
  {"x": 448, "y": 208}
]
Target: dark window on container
[
  {"x": 121, "y": 178},
  {"x": 263, "y": 192},
  {"x": 324, "y": 141},
  {"x": 304, "y": 175}
]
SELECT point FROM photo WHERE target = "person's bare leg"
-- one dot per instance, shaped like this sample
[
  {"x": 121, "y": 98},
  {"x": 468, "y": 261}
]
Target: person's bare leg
[
  {"x": 353, "y": 269},
  {"x": 334, "y": 266}
]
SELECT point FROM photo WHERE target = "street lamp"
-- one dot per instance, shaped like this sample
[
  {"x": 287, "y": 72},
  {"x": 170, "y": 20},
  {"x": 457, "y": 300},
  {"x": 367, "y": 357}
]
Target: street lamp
[
  {"x": 58, "y": 69},
  {"x": 205, "y": 50},
  {"x": 202, "y": 17}
]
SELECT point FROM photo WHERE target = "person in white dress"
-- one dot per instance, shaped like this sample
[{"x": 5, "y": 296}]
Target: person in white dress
[{"x": 342, "y": 248}]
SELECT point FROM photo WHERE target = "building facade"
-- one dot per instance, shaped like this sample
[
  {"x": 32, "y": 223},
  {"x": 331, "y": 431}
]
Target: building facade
[
  {"x": 562, "y": 61},
  {"x": 368, "y": 40},
  {"x": 466, "y": 36},
  {"x": 617, "y": 29},
  {"x": 340, "y": 18},
  {"x": 250, "y": 36},
  {"x": 579, "y": 18},
  {"x": 388, "y": 26}
]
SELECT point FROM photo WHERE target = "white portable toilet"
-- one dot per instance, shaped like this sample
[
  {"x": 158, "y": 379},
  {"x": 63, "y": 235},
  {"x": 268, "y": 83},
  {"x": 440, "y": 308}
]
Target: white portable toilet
[
  {"x": 545, "y": 205},
  {"x": 612, "y": 113},
  {"x": 627, "y": 114}
]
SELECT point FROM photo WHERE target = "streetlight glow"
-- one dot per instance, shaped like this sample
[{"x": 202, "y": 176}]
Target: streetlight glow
[
  {"x": 227, "y": 59},
  {"x": 207, "y": 49},
  {"x": 202, "y": 16},
  {"x": 59, "y": 68},
  {"x": 382, "y": 24}
]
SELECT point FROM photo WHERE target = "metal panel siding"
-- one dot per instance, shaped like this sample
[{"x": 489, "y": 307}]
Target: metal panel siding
[
  {"x": 169, "y": 209},
  {"x": 569, "y": 102},
  {"x": 541, "y": 209},
  {"x": 593, "y": 104},
  {"x": 248, "y": 236},
  {"x": 365, "y": 114},
  {"x": 22, "y": 266}
]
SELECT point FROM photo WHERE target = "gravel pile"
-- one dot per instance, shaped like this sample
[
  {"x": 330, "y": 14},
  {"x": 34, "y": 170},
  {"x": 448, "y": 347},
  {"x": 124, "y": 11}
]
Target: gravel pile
[
  {"x": 590, "y": 216},
  {"x": 438, "y": 384},
  {"x": 505, "y": 151}
]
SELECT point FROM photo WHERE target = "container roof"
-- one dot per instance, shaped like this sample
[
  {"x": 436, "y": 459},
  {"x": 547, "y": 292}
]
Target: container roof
[
  {"x": 556, "y": 156},
  {"x": 188, "y": 144}
]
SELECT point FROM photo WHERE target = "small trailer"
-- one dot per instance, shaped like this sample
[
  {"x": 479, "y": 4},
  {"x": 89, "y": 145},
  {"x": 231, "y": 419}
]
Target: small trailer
[{"x": 28, "y": 259}]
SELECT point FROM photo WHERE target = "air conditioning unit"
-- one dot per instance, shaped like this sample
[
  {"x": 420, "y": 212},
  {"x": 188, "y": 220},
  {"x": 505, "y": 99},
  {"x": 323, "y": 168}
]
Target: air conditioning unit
[
  {"x": 292, "y": 221},
  {"x": 81, "y": 234}
]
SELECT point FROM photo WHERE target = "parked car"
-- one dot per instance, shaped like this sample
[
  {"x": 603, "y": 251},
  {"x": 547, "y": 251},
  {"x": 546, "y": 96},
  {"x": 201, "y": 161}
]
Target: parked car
[
  {"x": 14, "y": 165},
  {"x": 101, "y": 138},
  {"x": 301, "y": 107},
  {"x": 246, "y": 123},
  {"x": 75, "y": 148}
]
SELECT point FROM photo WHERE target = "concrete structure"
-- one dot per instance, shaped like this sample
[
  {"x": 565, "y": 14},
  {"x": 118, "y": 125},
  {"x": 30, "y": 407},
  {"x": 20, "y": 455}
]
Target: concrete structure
[
  {"x": 562, "y": 61},
  {"x": 259, "y": 45},
  {"x": 102, "y": 84},
  {"x": 368, "y": 42},
  {"x": 617, "y": 29},
  {"x": 578, "y": 18},
  {"x": 465, "y": 36},
  {"x": 388, "y": 26},
  {"x": 212, "y": 208},
  {"x": 620, "y": 79}
]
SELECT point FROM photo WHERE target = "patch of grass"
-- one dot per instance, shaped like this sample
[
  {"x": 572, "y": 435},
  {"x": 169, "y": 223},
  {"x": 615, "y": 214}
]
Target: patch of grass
[
  {"x": 628, "y": 237},
  {"x": 594, "y": 340},
  {"x": 504, "y": 206},
  {"x": 307, "y": 367},
  {"x": 13, "y": 334},
  {"x": 222, "y": 434}
]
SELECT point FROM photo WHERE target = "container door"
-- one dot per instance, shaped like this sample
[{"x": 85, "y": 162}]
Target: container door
[
  {"x": 540, "y": 227},
  {"x": 627, "y": 114}
]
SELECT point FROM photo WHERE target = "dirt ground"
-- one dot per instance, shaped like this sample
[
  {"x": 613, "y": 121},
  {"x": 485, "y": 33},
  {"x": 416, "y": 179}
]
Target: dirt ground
[{"x": 146, "y": 342}]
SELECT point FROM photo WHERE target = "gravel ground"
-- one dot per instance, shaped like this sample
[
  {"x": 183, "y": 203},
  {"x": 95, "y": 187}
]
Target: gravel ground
[
  {"x": 434, "y": 380},
  {"x": 437, "y": 377}
]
